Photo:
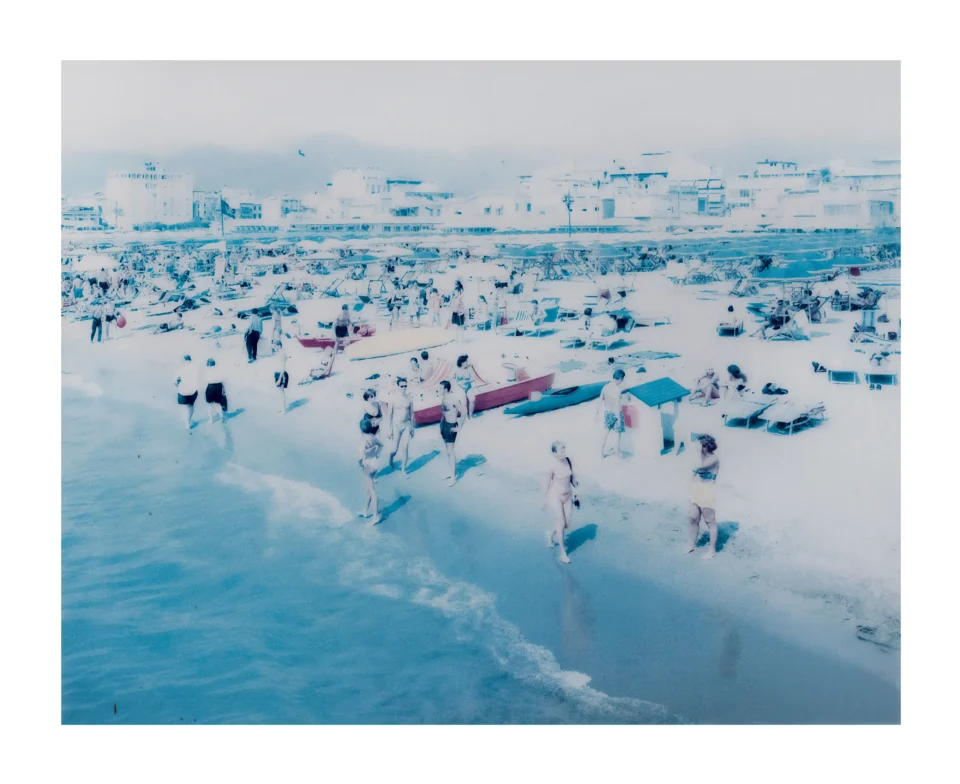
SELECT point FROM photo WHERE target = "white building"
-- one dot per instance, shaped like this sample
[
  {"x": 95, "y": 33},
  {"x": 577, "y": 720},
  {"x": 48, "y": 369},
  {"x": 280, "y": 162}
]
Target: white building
[
  {"x": 149, "y": 196},
  {"x": 81, "y": 215}
]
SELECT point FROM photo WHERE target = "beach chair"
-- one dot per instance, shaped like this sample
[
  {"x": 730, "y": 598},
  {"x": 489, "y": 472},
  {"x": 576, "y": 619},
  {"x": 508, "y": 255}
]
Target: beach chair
[
  {"x": 795, "y": 329},
  {"x": 787, "y": 418},
  {"x": 550, "y": 316},
  {"x": 881, "y": 379},
  {"x": 730, "y": 329},
  {"x": 747, "y": 412},
  {"x": 843, "y": 376},
  {"x": 333, "y": 290}
]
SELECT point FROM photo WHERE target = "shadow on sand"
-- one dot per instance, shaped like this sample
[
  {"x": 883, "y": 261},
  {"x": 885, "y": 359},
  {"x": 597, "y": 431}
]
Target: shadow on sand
[
  {"x": 724, "y": 532},
  {"x": 233, "y": 414},
  {"x": 398, "y": 503},
  {"x": 470, "y": 461},
  {"x": 579, "y": 537},
  {"x": 297, "y": 404}
]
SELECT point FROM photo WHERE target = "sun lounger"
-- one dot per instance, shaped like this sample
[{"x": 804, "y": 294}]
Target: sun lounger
[
  {"x": 843, "y": 376},
  {"x": 788, "y": 418},
  {"x": 730, "y": 329},
  {"x": 746, "y": 412},
  {"x": 537, "y": 328},
  {"x": 881, "y": 379}
]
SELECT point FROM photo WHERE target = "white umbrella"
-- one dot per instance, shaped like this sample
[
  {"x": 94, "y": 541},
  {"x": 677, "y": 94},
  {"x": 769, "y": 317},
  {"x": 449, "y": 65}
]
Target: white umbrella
[
  {"x": 479, "y": 270},
  {"x": 91, "y": 262}
]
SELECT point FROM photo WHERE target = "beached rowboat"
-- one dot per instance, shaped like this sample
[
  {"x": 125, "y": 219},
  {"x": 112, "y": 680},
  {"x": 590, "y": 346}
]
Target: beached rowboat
[
  {"x": 490, "y": 395},
  {"x": 554, "y": 399}
]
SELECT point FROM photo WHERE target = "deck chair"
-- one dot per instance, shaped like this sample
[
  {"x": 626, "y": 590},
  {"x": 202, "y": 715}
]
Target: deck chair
[
  {"x": 843, "y": 376},
  {"x": 550, "y": 316},
  {"x": 788, "y": 418},
  {"x": 881, "y": 379},
  {"x": 333, "y": 290},
  {"x": 730, "y": 329},
  {"x": 747, "y": 412},
  {"x": 795, "y": 329}
]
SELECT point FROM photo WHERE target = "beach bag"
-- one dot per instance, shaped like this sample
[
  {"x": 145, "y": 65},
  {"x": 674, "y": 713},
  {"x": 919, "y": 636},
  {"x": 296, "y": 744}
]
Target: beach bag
[{"x": 121, "y": 321}]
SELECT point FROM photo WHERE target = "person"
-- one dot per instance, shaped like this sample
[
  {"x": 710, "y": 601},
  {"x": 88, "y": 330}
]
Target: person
[
  {"x": 324, "y": 364},
  {"x": 252, "y": 336},
  {"x": 281, "y": 378},
  {"x": 485, "y": 314},
  {"x": 465, "y": 375},
  {"x": 370, "y": 448},
  {"x": 177, "y": 323},
  {"x": 703, "y": 499},
  {"x": 341, "y": 329},
  {"x": 78, "y": 287},
  {"x": 395, "y": 304},
  {"x": 96, "y": 320},
  {"x": 458, "y": 310},
  {"x": 277, "y": 329},
  {"x": 433, "y": 305},
  {"x": 371, "y": 407},
  {"x": 497, "y": 307},
  {"x": 109, "y": 316},
  {"x": 103, "y": 279},
  {"x": 214, "y": 392},
  {"x": 426, "y": 364},
  {"x": 611, "y": 406},
  {"x": 559, "y": 497},
  {"x": 416, "y": 374},
  {"x": 707, "y": 388},
  {"x": 187, "y": 384},
  {"x": 452, "y": 414},
  {"x": 736, "y": 381},
  {"x": 401, "y": 426}
]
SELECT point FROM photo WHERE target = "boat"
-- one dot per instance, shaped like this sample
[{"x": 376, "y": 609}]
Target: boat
[
  {"x": 518, "y": 385},
  {"x": 399, "y": 341},
  {"x": 554, "y": 399},
  {"x": 359, "y": 332}
]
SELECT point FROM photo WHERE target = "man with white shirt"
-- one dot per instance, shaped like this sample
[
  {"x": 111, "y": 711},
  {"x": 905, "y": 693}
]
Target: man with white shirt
[
  {"x": 188, "y": 385},
  {"x": 96, "y": 323},
  {"x": 252, "y": 336}
]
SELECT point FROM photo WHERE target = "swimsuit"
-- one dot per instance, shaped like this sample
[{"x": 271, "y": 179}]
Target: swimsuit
[
  {"x": 214, "y": 394},
  {"x": 613, "y": 421},
  {"x": 187, "y": 400},
  {"x": 282, "y": 380}
]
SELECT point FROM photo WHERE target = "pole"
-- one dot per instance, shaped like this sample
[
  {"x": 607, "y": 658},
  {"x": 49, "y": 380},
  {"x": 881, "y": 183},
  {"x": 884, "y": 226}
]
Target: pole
[{"x": 220, "y": 209}]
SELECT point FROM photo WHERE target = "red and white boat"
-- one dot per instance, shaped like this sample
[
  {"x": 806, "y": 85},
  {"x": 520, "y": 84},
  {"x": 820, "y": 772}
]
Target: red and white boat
[
  {"x": 328, "y": 340},
  {"x": 517, "y": 384}
]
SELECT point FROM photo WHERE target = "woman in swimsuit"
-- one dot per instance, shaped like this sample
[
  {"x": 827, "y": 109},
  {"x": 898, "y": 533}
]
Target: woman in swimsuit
[
  {"x": 281, "y": 378},
  {"x": 369, "y": 457},
  {"x": 451, "y": 406},
  {"x": 703, "y": 499},
  {"x": 559, "y": 497},
  {"x": 465, "y": 375},
  {"x": 371, "y": 407},
  {"x": 457, "y": 307}
]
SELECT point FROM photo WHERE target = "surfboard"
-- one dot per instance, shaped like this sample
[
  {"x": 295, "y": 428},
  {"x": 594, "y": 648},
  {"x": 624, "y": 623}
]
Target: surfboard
[{"x": 400, "y": 341}]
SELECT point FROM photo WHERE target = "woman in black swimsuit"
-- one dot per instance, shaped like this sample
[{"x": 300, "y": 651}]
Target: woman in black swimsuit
[
  {"x": 451, "y": 417},
  {"x": 281, "y": 378},
  {"x": 371, "y": 409}
]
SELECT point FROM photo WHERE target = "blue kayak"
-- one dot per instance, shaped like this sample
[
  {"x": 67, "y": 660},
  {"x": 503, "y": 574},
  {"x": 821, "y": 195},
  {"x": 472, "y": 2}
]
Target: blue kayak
[{"x": 553, "y": 399}]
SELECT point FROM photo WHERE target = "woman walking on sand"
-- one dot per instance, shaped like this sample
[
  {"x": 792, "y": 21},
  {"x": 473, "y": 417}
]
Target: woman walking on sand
[
  {"x": 370, "y": 448},
  {"x": 559, "y": 497},
  {"x": 458, "y": 310},
  {"x": 703, "y": 498},
  {"x": 452, "y": 416}
]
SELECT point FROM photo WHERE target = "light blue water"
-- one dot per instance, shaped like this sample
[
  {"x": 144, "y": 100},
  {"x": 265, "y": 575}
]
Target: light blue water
[{"x": 208, "y": 578}]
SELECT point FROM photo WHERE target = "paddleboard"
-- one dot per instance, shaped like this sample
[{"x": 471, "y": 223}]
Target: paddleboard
[{"x": 400, "y": 341}]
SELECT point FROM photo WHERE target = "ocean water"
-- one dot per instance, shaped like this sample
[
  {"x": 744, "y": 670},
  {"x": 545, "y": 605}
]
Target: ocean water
[{"x": 220, "y": 577}]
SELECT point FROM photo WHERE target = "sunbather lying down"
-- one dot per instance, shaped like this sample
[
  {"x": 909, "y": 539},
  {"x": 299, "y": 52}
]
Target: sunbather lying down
[
  {"x": 170, "y": 326},
  {"x": 325, "y": 365}
]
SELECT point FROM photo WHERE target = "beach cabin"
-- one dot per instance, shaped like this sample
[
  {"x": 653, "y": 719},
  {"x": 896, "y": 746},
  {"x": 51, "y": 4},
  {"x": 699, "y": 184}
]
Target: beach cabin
[{"x": 651, "y": 411}]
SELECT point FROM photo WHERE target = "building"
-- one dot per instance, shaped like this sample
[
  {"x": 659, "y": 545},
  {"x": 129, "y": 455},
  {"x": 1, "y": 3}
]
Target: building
[
  {"x": 149, "y": 197},
  {"x": 206, "y": 206},
  {"x": 81, "y": 215}
]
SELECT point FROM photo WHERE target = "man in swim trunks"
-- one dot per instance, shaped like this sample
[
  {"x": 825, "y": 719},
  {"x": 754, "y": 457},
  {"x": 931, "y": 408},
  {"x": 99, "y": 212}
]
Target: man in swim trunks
[
  {"x": 252, "y": 336},
  {"x": 451, "y": 417},
  {"x": 401, "y": 426},
  {"x": 188, "y": 384},
  {"x": 611, "y": 406},
  {"x": 341, "y": 329},
  {"x": 214, "y": 392}
]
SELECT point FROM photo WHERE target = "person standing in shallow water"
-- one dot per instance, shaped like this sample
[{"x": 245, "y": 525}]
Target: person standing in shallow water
[
  {"x": 559, "y": 497},
  {"x": 402, "y": 427},
  {"x": 187, "y": 384},
  {"x": 703, "y": 497},
  {"x": 281, "y": 378},
  {"x": 370, "y": 449},
  {"x": 214, "y": 392}
]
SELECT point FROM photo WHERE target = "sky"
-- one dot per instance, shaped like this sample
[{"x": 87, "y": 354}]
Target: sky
[{"x": 572, "y": 109}]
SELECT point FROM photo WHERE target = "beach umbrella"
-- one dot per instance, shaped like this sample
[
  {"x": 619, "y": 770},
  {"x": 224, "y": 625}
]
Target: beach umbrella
[
  {"x": 309, "y": 245},
  {"x": 92, "y": 262},
  {"x": 480, "y": 271}
]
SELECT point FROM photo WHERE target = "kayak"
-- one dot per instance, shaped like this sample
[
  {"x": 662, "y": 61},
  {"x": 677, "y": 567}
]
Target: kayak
[{"x": 554, "y": 399}]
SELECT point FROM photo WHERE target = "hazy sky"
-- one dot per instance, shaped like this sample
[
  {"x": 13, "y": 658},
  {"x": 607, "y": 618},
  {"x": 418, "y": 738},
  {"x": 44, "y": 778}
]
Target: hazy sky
[{"x": 570, "y": 108}]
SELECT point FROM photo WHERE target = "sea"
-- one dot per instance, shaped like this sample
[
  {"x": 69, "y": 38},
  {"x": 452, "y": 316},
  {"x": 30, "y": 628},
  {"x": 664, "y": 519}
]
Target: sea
[{"x": 221, "y": 576}]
